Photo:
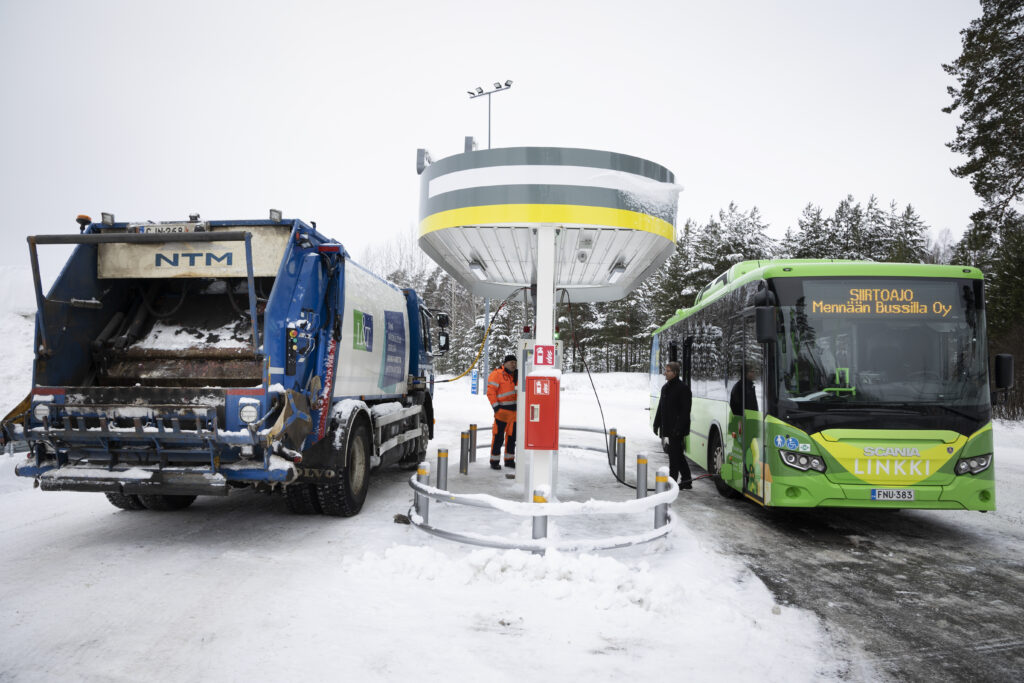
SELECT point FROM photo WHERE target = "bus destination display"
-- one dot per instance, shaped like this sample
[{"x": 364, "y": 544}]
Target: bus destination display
[{"x": 917, "y": 299}]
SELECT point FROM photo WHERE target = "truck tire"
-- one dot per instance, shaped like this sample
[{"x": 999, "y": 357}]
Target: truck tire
[
  {"x": 125, "y": 501},
  {"x": 165, "y": 503},
  {"x": 344, "y": 497},
  {"x": 302, "y": 499},
  {"x": 716, "y": 456}
]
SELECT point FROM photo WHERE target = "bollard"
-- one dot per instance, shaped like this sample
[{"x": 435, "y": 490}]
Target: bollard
[
  {"x": 442, "y": 469},
  {"x": 611, "y": 446},
  {"x": 620, "y": 458},
  {"x": 660, "y": 486},
  {"x": 464, "y": 453},
  {"x": 472, "y": 443},
  {"x": 641, "y": 475},
  {"x": 540, "y": 522},
  {"x": 423, "y": 502}
]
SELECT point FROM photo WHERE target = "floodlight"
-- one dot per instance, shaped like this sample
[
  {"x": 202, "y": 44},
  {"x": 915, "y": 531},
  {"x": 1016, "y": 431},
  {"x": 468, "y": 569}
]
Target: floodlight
[
  {"x": 616, "y": 273},
  {"x": 275, "y": 215},
  {"x": 478, "y": 270},
  {"x": 107, "y": 218},
  {"x": 479, "y": 91},
  {"x": 508, "y": 84}
]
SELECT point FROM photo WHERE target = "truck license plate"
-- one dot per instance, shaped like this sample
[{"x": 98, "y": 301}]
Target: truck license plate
[
  {"x": 892, "y": 494},
  {"x": 166, "y": 228}
]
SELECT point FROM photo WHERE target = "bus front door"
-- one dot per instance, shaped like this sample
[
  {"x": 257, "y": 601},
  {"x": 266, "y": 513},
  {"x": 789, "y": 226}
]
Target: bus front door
[{"x": 752, "y": 431}]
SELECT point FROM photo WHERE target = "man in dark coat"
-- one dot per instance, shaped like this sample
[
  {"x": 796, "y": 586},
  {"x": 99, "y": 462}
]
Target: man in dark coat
[
  {"x": 673, "y": 422},
  {"x": 743, "y": 394}
]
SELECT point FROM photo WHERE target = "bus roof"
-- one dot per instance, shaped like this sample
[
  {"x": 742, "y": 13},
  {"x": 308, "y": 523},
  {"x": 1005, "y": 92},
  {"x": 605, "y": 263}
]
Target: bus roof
[{"x": 747, "y": 271}]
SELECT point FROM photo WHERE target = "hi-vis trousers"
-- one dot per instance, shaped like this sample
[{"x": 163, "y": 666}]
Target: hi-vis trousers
[{"x": 504, "y": 428}]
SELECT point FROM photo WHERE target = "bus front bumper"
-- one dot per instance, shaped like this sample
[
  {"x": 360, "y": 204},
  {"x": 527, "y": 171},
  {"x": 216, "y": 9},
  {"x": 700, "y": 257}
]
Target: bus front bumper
[{"x": 965, "y": 492}]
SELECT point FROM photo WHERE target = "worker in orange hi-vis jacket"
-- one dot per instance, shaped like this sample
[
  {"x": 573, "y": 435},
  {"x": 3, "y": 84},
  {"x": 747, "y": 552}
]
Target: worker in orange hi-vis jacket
[{"x": 501, "y": 392}]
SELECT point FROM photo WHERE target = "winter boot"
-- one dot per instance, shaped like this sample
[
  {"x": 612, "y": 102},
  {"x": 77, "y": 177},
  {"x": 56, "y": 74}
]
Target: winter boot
[
  {"x": 510, "y": 463},
  {"x": 495, "y": 465}
]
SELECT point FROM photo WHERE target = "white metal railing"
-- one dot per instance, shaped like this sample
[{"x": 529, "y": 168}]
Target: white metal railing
[{"x": 540, "y": 510}]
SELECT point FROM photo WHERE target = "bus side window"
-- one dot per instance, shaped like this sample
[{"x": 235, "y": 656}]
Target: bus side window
[{"x": 687, "y": 360}]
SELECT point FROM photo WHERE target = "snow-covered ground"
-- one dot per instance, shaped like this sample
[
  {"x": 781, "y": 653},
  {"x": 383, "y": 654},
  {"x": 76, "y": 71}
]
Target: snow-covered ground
[{"x": 238, "y": 589}]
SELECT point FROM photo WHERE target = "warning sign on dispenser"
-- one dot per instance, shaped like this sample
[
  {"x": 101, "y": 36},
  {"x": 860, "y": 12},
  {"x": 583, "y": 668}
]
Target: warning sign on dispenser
[{"x": 544, "y": 354}]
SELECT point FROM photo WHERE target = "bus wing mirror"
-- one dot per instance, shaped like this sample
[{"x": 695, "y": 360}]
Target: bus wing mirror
[
  {"x": 764, "y": 323},
  {"x": 1004, "y": 371},
  {"x": 442, "y": 342},
  {"x": 442, "y": 320}
]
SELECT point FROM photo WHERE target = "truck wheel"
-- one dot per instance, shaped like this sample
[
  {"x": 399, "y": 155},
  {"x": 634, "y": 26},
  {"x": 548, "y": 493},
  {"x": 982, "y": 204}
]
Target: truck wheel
[
  {"x": 302, "y": 499},
  {"x": 164, "y": 503},
  {"x": 716, "y": 456},
  {"x": 125, "y": 501},
  {"x": 344, "y": 497}
]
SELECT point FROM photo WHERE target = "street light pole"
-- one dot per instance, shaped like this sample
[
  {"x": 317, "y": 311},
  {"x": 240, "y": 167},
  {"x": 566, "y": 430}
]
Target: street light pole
[
  {"x": 479, "y": 92},
  {"x": 473, "y": 94}
]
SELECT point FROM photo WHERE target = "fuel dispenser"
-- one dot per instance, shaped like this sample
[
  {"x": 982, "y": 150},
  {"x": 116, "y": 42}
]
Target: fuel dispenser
[
  {"x": 538, "y": 407},
  {"x": 542, "y": 413}
]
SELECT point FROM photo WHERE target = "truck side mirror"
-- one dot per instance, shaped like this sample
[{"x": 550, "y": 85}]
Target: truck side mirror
[
  {"x": 442, "y": 342},
  {"x": 442, "y": 320},
  {"x": 764, "y": 323},
  {"x": 1004, "y": 371}
]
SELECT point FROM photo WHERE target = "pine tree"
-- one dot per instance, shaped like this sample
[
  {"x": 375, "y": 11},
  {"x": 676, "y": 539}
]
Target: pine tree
[
  {"x": 813, "y": 238},
  {"x": 910, "y": 236},
  {"x": 878, "y": 239},
  {"x": 990, "y": 100},
  {"x": 848, "y": 228},
  {"x": 674, "y": 286}
]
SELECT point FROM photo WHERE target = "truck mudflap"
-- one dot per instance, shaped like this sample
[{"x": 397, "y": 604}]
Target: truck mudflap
[{"x": 195, "y": 481}]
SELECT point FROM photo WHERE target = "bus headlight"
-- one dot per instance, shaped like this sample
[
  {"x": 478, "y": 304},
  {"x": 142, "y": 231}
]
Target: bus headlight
[
  {"x": 974, "y": 464},
  {"x": 248, "y": 413},
  {"x": 803, "y": 461},
  {"x": 41, "y": 411}
]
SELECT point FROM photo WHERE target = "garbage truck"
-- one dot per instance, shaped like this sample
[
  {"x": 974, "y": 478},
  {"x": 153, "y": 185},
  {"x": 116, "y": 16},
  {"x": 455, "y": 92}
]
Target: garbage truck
[{"x": 181, "y": 359}]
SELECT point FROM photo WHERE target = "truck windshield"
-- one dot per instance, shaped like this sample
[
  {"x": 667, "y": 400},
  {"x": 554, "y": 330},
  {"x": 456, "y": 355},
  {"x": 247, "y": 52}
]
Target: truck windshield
[{"x": 882, "y": 352}]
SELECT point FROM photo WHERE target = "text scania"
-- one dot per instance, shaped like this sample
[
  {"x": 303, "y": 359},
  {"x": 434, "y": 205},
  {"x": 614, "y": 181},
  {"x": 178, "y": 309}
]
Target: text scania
[
  {"x": 206, "y": 258},
  {"x": 889, "y": 452}
]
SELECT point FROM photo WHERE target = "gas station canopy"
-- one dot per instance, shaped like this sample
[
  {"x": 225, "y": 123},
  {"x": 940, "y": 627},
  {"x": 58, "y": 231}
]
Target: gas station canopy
[{"x": 614, "y": 215}]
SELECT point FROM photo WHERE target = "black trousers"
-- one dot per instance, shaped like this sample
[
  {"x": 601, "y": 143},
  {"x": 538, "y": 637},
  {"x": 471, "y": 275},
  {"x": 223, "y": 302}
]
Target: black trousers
[
  {"x": 678, "y": 468},
  {"x": 502, "y": 432}
]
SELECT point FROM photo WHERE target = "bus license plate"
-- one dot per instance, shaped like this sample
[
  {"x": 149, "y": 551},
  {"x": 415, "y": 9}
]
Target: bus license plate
[{"x": 892, "y": 494}]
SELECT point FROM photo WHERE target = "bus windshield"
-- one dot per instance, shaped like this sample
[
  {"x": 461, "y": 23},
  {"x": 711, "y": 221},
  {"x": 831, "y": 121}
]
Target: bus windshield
[{"x": 913, "y": 345}]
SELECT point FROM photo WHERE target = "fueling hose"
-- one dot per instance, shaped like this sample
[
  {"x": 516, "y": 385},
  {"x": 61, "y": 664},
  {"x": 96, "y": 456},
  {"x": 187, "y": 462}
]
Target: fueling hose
[
  {"x": 604, "y": 426},
  {"x": 483, "y": 341}
]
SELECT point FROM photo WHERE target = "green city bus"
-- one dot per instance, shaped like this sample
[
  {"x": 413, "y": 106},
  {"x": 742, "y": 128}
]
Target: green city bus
[{"x": 851, "y": 384}]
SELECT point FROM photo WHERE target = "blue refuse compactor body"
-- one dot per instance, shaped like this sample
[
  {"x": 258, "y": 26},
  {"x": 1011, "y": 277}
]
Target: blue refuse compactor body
[{"x": 191, "y": 358}]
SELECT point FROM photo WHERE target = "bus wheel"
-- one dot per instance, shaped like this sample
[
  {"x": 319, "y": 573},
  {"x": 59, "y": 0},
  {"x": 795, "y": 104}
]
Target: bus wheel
[{"x": 716, "y": 456}]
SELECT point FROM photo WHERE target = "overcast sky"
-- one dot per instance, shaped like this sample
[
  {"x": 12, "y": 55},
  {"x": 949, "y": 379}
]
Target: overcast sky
[{"x": 155, "y": 110}]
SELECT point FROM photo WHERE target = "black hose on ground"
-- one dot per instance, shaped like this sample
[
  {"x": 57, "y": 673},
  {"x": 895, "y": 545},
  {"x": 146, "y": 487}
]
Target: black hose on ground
[{"x": 604, "y": 426}]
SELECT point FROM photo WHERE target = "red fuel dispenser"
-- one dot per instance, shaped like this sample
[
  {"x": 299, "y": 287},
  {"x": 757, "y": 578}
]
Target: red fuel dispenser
[{"x": 542, "y": 393}]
